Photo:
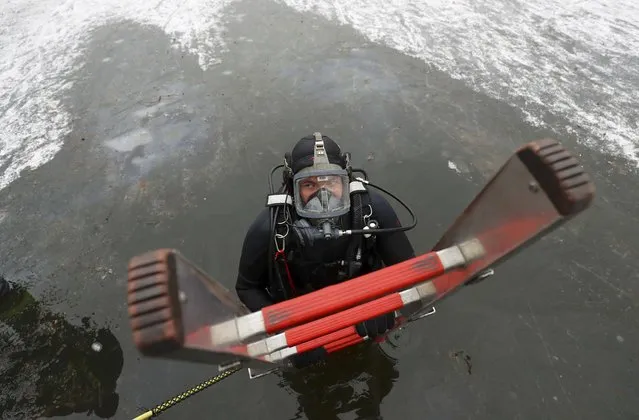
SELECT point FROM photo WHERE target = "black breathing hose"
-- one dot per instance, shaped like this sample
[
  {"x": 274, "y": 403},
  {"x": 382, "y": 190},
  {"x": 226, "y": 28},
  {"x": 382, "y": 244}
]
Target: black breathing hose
[{"x": 384, "y": 230}]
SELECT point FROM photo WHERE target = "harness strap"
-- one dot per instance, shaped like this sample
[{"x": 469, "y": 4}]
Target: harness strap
[
  {"x": 359, "y": 243},
  {"x": 281, "y": 256},
  {"x": 359, "y": 248}
]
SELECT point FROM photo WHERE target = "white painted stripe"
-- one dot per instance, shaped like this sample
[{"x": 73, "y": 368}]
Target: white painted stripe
[
  {"x": 257, "y": 348},
  {"x": 267, "y": 345},
  {"x": 289, "y": 351},
  {"x": 472, "y": 249},
  {"x": 426, "y": 290},
  {"x": 276, "y": 342},
  {"x": 235, "y": 330},
  {"x": 462, "y": 254},
  {"x": 250, "y": 325},
  {"x": 273, "y": 357},
  {"x": 409, "y": 296},
  {"x": 224, "y": 333},
  {"x": 281, "y": 354},
  {"x": 451, "y": 257}
]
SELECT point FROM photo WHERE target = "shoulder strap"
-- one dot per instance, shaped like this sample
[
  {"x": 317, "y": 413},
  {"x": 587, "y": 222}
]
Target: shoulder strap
[
  {"x": 360, "y": 211},
  {"x": 280, "y": 282}
]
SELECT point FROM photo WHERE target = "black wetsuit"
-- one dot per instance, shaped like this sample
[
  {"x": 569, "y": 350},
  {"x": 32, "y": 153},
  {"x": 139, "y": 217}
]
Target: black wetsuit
[{"x": 310, "y": 271}]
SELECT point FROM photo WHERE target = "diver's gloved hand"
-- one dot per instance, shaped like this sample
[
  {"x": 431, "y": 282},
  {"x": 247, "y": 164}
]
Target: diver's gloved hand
[
  {"x": 308, "y": 358},
  {"x": 376, "y": 327}
]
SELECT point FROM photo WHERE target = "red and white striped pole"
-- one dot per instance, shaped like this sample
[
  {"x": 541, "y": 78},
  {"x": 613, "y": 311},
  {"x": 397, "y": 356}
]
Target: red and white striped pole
[
  {"x": 332, "y": 299},
  {"x": 495, "y": 242}
]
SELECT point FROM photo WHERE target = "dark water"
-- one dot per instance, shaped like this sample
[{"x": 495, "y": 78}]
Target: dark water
[
  {"x": 166, "y": 155},
  {"x": 52, "y": 367}
]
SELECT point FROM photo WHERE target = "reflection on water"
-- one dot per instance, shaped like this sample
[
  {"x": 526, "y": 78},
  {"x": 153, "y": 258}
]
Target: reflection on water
[
  {"x": 49, "y": 367},
  {"x": 354, "y": 380}
]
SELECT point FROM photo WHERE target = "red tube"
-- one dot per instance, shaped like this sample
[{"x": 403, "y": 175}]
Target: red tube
[
  {"x": 343, "y": 343},
  {"x": 335, "y": 298},
  {"x": 326, "y": 339},
  {"x": 340, "y": 320}
]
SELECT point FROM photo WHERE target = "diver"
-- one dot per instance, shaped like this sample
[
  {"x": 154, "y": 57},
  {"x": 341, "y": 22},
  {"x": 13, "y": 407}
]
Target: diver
[
  {"x": 50, "y": 367},
  {"x": 324, "y": 226}
]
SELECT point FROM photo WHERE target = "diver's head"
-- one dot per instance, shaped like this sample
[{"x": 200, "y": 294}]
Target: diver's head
[{"x": 320, "y": 179}]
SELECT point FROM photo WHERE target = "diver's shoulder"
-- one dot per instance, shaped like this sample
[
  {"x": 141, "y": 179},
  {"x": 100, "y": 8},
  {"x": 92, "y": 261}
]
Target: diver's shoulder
[
  {"x": 377, "y": 198},
  {"x": 261, "y": 224}
]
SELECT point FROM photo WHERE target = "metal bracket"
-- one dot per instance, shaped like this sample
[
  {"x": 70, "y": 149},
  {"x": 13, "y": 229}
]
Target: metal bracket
[
  {"x": 481, "y": 276},
  {"x": 254, "y": 373},
  {"x": 429, "y": 313},
  {"x": 419, "y": 315}
]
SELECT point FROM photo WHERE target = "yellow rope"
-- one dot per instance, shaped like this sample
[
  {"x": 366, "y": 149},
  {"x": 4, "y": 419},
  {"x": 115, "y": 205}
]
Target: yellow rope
[{"x": 181, "y": 397}]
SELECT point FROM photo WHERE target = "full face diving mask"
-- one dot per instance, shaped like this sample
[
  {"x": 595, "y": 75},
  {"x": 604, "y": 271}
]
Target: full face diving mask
[{"x": 321, "y": 191}]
